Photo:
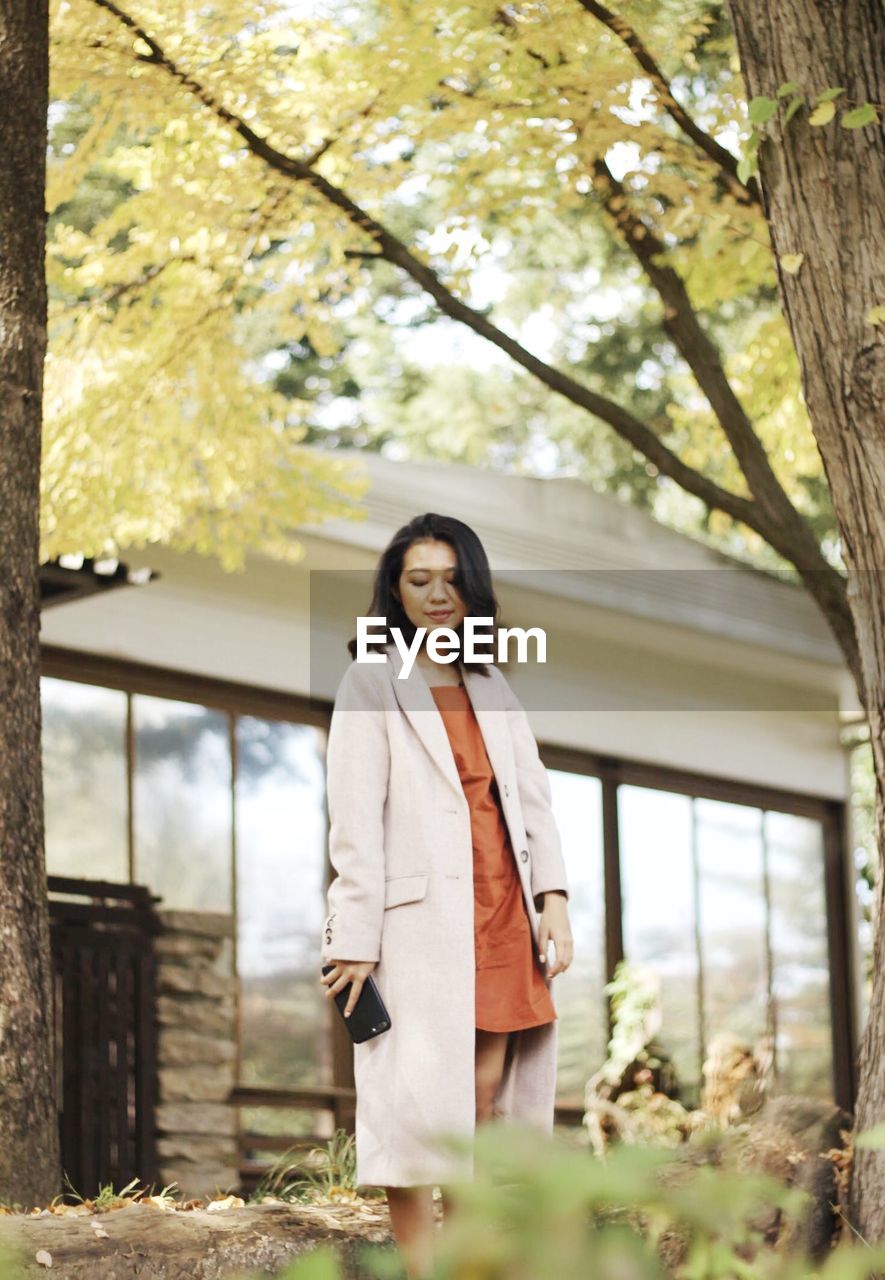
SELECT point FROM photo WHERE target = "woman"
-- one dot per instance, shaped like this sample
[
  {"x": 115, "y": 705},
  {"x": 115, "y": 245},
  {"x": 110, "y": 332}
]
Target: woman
[{"x": 450, "y": 886}]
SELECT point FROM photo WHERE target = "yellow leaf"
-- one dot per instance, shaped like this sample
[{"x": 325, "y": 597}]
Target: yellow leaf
[
  {"x": 822, "y": 114},
  {"x": 876, "y": 315},
  {"x": 791, "y": 262},
  {"x": 229, "y": 1202}
]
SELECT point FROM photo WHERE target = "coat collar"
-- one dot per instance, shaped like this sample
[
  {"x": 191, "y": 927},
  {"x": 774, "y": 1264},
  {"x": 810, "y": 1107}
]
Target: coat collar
[{"x": 416, "y": 700}]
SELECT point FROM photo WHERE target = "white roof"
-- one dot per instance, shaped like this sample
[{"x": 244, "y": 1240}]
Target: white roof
[{"x": 592, "y": 548}]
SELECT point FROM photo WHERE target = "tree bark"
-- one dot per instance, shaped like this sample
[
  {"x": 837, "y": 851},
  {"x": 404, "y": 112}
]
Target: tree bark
[
  {"x": 144, "y": 1242},
  {"x": 29, "y": 1156},
  {"x": 823, "y": 191},
  {"x": 792, "y": 1140}
]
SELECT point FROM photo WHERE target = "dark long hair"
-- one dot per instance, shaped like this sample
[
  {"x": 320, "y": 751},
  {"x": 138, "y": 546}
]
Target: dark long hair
[{"x": 472, "y": 576}]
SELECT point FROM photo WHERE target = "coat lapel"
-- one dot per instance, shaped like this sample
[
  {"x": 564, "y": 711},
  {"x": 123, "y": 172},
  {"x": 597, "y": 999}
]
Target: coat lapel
[
  {"x": 416, "y": 700},
  {"x": 485, "y": 696}
]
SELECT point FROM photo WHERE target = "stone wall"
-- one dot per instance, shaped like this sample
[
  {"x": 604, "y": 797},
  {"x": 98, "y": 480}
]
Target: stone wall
[{"x": 196, "y": 1051}]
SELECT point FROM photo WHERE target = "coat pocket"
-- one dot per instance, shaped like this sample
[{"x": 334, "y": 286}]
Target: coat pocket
[{"x": 399, "y": 889}]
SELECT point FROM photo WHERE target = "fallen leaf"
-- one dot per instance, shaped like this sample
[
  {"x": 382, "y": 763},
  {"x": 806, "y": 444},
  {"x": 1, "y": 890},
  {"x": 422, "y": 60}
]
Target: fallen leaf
[
  {"x": 100, "y": 1232},
  {"x": 229, "y": 1202},
  {"x": 44, "y": 1257},
  {"x": 161, "y": 1202}
]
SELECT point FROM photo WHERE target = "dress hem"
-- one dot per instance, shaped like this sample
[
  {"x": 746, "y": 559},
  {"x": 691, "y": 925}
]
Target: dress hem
[{"x": 528, "y": 1027}]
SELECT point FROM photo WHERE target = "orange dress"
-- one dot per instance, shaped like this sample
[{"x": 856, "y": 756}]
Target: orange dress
[{"x": 511, "y": 993}]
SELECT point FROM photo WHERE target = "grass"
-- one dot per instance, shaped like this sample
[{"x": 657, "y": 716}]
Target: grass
[
  {"x": 106, "y": 1198},
  {"x": 323, "y": 1173}
]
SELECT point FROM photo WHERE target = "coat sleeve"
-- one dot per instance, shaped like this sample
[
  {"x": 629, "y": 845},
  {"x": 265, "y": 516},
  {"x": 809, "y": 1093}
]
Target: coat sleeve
[
  {"x": 357, "y": 772},
  {"x": 536, "y": 800}
]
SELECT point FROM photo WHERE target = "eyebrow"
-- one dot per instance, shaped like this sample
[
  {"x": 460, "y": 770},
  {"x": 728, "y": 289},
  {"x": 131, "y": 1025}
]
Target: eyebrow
[{"x": 420, "y": 568}]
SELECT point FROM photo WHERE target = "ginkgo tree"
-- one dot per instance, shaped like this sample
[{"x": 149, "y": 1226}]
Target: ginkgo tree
[
  {"x": 274, "y": 163},
  {"x": 822, "y": 173},
  {"x": 271, "y": 162},
  {"x": 29, "y": 1145}
]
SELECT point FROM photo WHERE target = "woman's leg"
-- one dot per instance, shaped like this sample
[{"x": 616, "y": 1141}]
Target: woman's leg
[
  {"x": 411, "y": 1216},
  {"x": 491, "y": 1054},
  {"x": 411, "y": 1208}
]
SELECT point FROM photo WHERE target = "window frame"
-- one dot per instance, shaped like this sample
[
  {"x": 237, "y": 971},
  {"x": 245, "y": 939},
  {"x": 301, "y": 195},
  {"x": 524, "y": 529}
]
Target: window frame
[
  {"x": 614, "y": 772},
  {"x": 235, "y": 698}
]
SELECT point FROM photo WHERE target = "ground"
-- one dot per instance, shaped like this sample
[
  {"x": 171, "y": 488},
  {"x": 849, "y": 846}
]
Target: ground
[{"x": 152, "y": 1243}]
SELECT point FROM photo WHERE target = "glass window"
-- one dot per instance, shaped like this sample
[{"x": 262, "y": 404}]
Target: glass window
[
  {"x": 800, "y": 954},
  {"x": 84, "y": 780},
  {"x": 727, "y": 903},
  {"x": 580, "y": 1003},
  {"x": 287, "y": 1124},
  {"x": 281, "y": 859},
  {"x": 657, "y": 887},
  {"x": 732, "y": 920},
  {"x": 183, "y": 804}
]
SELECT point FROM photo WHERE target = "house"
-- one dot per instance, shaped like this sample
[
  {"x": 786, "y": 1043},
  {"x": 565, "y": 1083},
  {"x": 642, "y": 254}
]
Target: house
[{"x": 689, "y": 715}]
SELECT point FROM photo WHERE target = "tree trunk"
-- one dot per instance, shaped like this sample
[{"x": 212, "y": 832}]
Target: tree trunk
[
  {"x": 824, "y": 196},
  {"x": 29, "y": 1158},
  {"x": 143, "y": 1242}
]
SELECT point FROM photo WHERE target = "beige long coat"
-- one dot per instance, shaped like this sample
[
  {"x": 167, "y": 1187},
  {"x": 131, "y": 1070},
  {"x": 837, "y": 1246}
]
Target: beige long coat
[{"x": 400, "y": 842}]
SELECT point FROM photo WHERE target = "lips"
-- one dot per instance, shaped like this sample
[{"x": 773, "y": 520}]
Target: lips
[{"x": 441, "y": 616}]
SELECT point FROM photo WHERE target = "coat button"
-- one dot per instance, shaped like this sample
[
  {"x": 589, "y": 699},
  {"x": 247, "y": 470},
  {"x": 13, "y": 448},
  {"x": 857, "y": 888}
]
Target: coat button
[
  {"x": 506, "y": 789},
  {"x": 524, "y": 854}
]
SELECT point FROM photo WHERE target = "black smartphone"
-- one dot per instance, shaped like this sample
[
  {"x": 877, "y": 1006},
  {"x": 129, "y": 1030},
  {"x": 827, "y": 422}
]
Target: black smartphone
[{"x": 369, "y": 1016}]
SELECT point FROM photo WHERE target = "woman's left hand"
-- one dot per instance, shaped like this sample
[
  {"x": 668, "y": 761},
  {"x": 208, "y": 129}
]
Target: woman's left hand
[{"x": 554, "y": 927}]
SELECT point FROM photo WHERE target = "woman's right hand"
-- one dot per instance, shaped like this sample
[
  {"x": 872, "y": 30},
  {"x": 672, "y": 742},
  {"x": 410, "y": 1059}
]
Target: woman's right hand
[{"x": 355, "y": 971}]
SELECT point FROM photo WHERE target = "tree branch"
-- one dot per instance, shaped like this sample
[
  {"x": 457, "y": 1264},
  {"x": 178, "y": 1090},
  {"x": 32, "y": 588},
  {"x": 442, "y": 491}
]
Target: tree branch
[
  {"x": 682, "y": 323},
  {"x": 769, "y": 512},
  {"x": 391, "y": 249},
  {"x": 782, "y": 526},
  {"x": 723, "y": 159},
  {"x": 123, "y": 287}
]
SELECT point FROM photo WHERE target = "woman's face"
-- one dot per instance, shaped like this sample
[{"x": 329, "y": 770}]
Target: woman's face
[{"x": 429, "y": 597}]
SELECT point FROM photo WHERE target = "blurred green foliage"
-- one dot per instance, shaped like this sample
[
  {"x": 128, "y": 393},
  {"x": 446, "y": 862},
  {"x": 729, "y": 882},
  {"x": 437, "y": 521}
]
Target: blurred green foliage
[
  {"x": 12, "y": 1263},
  {"x": 537, "y": 1207},
  {"x": 540, "y": 1207}
]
